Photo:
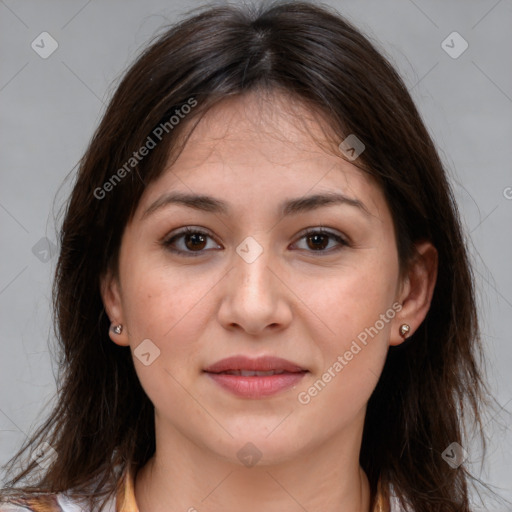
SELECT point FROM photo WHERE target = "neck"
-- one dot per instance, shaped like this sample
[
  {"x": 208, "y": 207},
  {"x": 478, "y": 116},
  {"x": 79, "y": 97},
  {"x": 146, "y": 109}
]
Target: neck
[{"x": 183, "y": 476}]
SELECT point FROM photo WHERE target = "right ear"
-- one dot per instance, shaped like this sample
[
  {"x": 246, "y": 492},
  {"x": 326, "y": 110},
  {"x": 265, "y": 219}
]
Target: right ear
[{"x": 110, "y": 290}]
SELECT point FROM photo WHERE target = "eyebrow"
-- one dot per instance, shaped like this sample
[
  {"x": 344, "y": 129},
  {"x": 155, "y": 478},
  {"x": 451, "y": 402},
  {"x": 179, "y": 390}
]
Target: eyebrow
[{"x": 289, "y": 207}]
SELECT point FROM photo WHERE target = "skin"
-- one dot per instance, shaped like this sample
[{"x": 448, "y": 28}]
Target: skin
[{"x": 294, "y": 301}]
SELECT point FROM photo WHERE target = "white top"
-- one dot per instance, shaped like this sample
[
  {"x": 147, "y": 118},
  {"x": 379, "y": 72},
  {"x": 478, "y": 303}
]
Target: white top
[{"x": 65, "y": 504}]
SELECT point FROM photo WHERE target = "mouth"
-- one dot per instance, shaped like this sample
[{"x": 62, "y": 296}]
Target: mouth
[
  {"x": 255, "y": 378},
  {"x": 259, "y": 365},
  {"x": 251, "y": 373}
]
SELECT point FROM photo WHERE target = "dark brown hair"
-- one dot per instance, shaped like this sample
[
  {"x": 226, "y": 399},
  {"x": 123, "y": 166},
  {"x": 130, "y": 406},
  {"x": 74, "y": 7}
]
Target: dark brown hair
[{"x": 429, "y": 384}]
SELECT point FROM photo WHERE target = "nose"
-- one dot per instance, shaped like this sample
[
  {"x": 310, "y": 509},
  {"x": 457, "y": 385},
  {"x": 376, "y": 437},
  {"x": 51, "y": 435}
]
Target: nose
[{"x": 254, "y": 298}]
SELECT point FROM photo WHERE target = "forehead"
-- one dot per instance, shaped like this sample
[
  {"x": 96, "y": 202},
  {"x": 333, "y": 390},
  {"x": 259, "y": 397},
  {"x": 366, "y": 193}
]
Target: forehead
[
  {"x": 267, "y": 126},
  {"x": 266, "y": 147}
]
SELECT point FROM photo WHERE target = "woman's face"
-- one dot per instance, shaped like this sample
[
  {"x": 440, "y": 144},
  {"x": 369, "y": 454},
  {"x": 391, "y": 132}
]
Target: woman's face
[{"x": 289, "y": 265}]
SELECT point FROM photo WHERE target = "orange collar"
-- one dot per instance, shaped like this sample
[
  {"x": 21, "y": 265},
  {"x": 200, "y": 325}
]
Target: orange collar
[{"x": 125, "y": 498}]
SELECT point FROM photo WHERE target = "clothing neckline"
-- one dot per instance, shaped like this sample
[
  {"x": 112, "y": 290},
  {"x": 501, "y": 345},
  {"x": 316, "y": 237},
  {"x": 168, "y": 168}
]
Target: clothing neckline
[{"x": 125, "y": 497}]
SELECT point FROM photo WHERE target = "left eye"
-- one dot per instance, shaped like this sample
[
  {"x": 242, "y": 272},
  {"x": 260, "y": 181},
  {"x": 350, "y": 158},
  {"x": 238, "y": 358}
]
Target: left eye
[{"x": 322, "y": 241}]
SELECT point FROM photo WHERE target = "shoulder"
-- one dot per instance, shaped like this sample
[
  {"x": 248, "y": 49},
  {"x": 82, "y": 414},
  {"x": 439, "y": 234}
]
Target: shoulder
[
  {"x": 36, "y": 503},
  {"x": 70, "y": 500},
  {"x": 9, "y": 507},
  {"x": 46, "y": 503}
]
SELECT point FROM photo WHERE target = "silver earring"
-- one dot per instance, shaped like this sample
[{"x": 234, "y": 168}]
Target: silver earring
[
  {"x": 117, "y": 329},
  {"x": 404, "y": 330}
]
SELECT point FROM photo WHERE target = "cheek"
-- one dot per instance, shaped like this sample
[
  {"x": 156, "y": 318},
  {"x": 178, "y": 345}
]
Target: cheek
[
  {"x": 349, "y": 300},
  {"x": 352, "y": 339},
  {"x": 155, "y": 299},
  {"x": 166, "y": 308},
  {"x": 351, "y": 363}
]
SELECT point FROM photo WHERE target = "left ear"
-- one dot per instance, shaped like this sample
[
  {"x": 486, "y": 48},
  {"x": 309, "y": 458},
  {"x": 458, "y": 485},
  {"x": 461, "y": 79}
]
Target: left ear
[{"x": 416, "y": 291}]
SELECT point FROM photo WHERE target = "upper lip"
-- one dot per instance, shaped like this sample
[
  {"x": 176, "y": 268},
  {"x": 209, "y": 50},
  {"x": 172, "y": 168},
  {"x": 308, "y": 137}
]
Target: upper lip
[{"x": 262, "y": 364}]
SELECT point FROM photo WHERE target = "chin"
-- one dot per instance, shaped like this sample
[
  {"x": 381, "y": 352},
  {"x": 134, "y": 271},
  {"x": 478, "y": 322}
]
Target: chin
[{"x": 263, "y": 446}]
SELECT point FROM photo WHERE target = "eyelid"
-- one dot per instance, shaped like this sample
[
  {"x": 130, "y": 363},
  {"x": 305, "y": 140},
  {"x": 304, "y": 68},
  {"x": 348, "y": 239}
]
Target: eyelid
[{"x": 187, "y": 230}]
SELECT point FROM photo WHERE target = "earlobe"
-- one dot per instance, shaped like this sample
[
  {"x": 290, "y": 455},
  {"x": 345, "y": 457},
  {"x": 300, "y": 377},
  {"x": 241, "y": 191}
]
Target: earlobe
[
  {"x": 111, "y": 296},
  {"x": 416, "y": 294}
]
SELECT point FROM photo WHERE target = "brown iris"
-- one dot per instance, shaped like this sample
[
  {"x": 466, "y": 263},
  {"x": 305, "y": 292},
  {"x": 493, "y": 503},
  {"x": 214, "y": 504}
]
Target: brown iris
[
  {"x": 195, "y": 241},
  {"x": 317, "y": 241}
]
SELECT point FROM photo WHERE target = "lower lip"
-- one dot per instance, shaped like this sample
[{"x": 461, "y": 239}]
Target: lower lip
[{"x": 257, "y": 386}]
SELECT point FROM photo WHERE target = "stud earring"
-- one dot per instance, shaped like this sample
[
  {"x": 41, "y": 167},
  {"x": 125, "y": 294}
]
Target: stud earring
[
  {"x": 117, "y": 329},
  {"x": 404, "y": 330}
]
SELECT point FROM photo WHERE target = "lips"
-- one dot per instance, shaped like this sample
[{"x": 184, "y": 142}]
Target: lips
[
  {"x": 260, "y": 364},
  {"x": 255, "y": 378},
  {"x": 251, "y": 373}
]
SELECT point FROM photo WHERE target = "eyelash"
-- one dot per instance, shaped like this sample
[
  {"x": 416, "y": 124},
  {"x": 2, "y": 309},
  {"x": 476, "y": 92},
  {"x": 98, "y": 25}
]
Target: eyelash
[{"x": 308, "y": 232}]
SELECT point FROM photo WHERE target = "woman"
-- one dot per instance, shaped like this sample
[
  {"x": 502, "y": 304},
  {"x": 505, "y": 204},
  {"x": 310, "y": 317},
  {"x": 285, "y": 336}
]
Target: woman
[{"x": 263, "y": 295}]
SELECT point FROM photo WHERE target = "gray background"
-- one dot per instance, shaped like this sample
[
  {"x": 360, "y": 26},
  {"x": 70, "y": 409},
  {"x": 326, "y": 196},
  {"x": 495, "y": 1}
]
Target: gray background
[{"x": 50, "y": 107}]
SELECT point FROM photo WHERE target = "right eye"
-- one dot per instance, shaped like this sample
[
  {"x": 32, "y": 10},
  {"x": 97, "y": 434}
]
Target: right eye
[{"x": 190, "y": 242}]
